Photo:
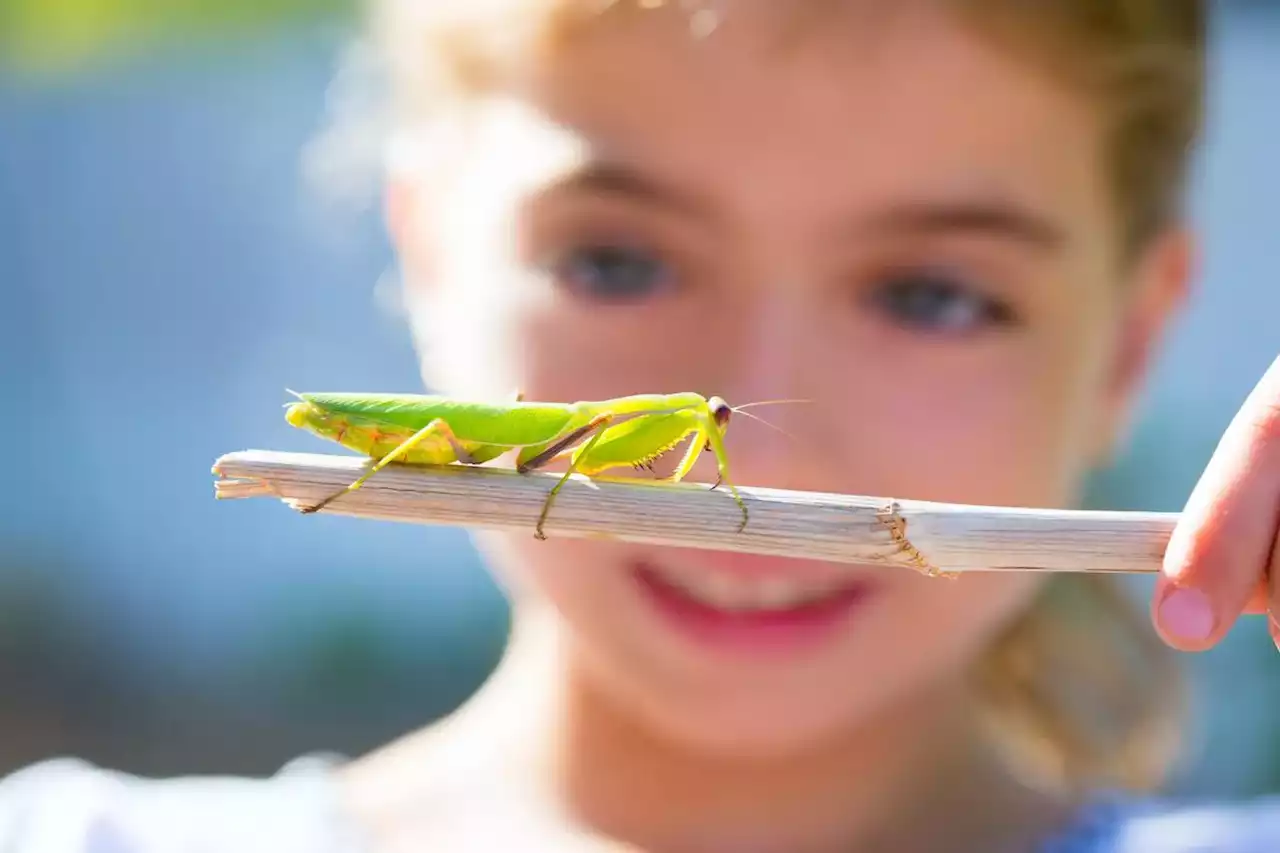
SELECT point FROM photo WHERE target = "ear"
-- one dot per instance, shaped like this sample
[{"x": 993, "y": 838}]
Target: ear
[{"x": 1157, "y": 286}]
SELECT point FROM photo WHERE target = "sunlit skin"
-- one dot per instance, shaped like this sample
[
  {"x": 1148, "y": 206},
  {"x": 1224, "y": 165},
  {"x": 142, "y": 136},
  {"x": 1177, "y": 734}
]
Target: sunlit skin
[{"x": 914, "y": 235}]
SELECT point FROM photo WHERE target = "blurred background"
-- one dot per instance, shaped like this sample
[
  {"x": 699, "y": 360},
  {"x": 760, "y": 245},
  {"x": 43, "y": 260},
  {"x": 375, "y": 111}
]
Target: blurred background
[{"x": 168, "y": 266}]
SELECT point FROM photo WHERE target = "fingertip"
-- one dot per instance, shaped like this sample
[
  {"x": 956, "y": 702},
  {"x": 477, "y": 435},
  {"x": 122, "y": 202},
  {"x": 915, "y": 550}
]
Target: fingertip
[{"x": 1184, "y": 617}]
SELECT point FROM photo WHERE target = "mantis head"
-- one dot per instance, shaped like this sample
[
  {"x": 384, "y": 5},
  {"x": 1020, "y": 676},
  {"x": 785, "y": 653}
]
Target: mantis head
[{"x": 720, "y": 412}]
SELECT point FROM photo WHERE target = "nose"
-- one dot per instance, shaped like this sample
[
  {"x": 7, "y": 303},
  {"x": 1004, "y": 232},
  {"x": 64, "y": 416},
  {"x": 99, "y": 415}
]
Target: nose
[
  {"x": 768, "y": 448},
  {"x": 778, "y": 444}
]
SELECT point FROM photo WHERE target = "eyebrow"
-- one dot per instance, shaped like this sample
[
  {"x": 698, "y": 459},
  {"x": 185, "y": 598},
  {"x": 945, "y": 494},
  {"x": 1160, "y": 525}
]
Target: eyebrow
[
  {"x": 992, "y": 218},
  {"x": 602, "y": 177}
]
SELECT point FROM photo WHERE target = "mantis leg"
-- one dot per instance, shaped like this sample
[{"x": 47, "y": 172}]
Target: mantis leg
[
  {"x": 596, "y": 425},
  {"x": 709, "y": 439},
  {"x": 437, "y": 427}
]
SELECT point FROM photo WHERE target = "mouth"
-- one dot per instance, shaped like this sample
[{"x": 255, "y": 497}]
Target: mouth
[{"x": 754, "y": 611}]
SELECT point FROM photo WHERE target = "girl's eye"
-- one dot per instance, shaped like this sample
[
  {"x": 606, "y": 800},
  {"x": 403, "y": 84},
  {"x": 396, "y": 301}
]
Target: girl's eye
[
  {"x": 936, "y": 302},
  {"x": 612, "y": 273}
]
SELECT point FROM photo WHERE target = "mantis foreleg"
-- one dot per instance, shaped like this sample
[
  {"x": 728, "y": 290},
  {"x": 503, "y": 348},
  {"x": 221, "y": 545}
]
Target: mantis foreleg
[{"x": 707, "y": 439}]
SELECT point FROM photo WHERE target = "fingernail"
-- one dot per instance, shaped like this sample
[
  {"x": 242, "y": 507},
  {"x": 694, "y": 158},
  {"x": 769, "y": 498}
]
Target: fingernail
[{"x": 1186, "y": 613}]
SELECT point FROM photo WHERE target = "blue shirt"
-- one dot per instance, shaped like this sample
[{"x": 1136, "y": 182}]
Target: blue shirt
[{"x": 71, "y": 806}]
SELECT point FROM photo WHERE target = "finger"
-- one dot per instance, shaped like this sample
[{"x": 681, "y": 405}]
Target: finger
[
  {"x": 1263, "y": 598},
  {"x": 1273, "y": 584},
  {"x": 1214, "y": 568}
]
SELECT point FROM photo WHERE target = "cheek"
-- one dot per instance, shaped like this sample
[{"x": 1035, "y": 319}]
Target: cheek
[
  {"x": 1002, "y": 423},
  {"x": 966, "y": 611},
  {"x": 577, "y": 576},
  {"x": 572, "y": 352},
  {"x": 938, "y": 630}
]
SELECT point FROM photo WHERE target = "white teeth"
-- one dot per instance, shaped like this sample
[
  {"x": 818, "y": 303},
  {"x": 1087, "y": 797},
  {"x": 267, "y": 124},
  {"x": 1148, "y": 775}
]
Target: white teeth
[
  {"x": 728, "y": 592},
  {"x": 778, "y": 592}
]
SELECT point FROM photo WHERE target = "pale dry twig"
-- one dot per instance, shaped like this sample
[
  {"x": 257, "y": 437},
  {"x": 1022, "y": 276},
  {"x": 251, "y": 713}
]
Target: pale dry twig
[{"x": 937, "y": 538}]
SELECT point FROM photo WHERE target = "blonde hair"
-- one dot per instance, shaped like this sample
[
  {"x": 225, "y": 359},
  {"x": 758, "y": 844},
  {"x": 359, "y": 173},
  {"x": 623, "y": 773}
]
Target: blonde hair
[
  {"x": 1079, "y": 687},
  {"x": 1081, "y": 692}
]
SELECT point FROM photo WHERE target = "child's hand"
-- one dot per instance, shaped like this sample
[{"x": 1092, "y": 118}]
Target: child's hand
[{"x": 1224, "y": 557}]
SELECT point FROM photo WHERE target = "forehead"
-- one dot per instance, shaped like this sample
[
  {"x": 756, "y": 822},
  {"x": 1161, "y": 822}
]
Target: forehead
[{"x": 886, "y": 98}]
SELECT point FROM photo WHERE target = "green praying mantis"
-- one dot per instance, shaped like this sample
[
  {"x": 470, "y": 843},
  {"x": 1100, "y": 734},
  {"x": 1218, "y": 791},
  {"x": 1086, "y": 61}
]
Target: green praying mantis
[{"x": 423, "y": 429}]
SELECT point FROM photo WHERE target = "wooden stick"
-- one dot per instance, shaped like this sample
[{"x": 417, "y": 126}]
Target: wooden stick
[{"x": 936, "y": 538}]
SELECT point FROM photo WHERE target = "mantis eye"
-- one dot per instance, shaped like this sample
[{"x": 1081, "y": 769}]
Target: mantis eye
[{"x": 720, "y": 411}]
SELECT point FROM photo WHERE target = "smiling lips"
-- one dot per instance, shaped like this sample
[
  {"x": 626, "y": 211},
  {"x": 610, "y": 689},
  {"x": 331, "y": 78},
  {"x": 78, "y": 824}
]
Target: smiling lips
[
  {"x": 743, "y": 593},
  {"x": 739, "y": 601}
]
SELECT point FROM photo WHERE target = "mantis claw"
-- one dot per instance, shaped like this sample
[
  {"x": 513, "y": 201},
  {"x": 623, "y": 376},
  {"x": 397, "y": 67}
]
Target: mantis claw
[{"x": 736, "y": 497}]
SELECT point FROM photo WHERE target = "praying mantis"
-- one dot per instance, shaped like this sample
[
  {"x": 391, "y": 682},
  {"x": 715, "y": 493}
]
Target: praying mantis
[{"x": 424, "y": 429}]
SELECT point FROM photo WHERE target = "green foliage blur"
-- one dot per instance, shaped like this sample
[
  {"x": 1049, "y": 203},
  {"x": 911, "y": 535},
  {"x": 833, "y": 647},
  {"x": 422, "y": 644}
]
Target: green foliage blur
[{"x": 65, "y": 35}]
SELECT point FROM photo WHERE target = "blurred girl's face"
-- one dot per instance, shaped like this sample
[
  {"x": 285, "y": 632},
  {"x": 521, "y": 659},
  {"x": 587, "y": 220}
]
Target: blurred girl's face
[{"x": 905, "y": 227}]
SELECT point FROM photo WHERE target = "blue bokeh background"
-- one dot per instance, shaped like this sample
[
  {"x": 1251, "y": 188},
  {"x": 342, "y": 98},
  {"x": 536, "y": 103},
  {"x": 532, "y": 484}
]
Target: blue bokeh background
[{"x": 167, "y": 271}]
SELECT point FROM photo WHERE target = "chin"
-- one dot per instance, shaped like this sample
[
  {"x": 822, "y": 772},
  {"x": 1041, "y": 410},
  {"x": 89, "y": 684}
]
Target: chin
[{"x": 757, "y": 727}]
